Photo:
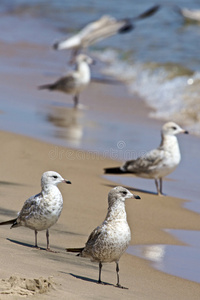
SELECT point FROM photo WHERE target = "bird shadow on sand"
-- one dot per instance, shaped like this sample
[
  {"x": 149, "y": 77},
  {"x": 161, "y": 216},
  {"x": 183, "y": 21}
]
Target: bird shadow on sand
[
  {"x": 8, "y": 212},
  {"x": 133, "y": 189},
  {"x": 11, "y": 183},
  {"x": 90, "y": 279},
  {"x": 25, "y": 244}
]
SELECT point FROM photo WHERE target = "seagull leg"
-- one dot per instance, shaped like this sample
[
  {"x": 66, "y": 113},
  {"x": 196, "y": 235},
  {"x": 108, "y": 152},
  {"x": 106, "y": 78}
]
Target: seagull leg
[
  {"x": 36, "y": 245},
  {"x": 100, "y": 267},
  {"x": 157, "y": 186},
  {"x": 47, "y": 236},
  {"x": 76, "y": 100},
  {"x": 117, "y": 270},
  {"x": 161, "y": 186},
  {"x": 48, "y": 247},
  {"x": 118, "y": 284}
]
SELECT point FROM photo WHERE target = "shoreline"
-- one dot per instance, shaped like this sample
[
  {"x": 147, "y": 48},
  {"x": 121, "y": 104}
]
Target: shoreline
[{"x": 110, "y": 115}]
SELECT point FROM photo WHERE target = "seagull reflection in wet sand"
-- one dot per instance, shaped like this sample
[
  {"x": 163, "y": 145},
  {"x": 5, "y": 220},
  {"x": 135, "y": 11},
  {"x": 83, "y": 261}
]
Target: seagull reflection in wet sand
[{"x": 68, "y": 123}]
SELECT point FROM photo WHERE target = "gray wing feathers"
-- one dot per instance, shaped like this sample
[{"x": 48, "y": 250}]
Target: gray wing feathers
[
  {"x": 30, "y": 205},
  {"x": 65, "y": 83},
  {"x": 145, "y": 163},
  {"x": 93, "y": 237}
]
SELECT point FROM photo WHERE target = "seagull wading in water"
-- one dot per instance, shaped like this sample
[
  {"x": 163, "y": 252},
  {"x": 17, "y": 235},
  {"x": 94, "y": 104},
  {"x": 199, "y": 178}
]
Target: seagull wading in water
[
  {"x": 75, "y": 81},
  {"x": 157, "y": 163},
  {"x": 110, "y": 240},
  {"x": 42, "y": 211}
]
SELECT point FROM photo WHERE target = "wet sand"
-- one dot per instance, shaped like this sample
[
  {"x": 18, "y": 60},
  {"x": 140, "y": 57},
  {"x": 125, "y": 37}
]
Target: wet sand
[{"x": 23, "y": 160}]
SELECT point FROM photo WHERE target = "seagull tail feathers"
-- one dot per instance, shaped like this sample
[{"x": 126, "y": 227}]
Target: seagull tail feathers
[
  {"x": 46, "y": 87},
  {"x": 116, "y": 170},
  {"x": 75, "y": 250},
  {"x": 13, "y": 222}
]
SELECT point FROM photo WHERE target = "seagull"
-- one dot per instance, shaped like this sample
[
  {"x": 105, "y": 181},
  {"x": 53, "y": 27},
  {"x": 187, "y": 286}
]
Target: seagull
[
  {"x": 75, "y": 81},
  {"x": 157, "y": 163},
  {"x": 101, "y": 29},
  {"x": 188, "y": 14},
  {"x": 41, "y": 211},
  {"x": 110, "y": 240}
]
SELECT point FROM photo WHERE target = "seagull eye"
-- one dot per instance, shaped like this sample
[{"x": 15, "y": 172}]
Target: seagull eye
[
  {"x": 174, "y": 128},
  {"x": 124, "y": 193},
  {"x": 54, "y": 176}
]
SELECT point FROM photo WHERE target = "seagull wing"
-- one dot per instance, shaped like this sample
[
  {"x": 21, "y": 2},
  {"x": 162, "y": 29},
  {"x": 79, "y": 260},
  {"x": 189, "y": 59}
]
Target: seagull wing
[
  {"x": 30, "y": 206},
  {"x": 146, "y": 163},
  {"x": 93, "y": 237},
  {"x": 148, "y": 13},
  {"x": 107, "y": 29},
  {"x": 67, "y": 82}
]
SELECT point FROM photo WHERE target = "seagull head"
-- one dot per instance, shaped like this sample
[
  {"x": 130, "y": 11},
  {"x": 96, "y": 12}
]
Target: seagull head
[
  {"x": 171, "y": 128},
  {"x": 51, "y": 177},
  {"x": 120, "y": 193},
  {"x": 84, "y": 58}
]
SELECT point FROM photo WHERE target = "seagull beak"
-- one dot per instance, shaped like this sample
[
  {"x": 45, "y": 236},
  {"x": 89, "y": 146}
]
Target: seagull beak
[
  {"x": 136, "y": 197},
  {"x": 67, "y": 181},
  {"x": 185, "y": 131}
]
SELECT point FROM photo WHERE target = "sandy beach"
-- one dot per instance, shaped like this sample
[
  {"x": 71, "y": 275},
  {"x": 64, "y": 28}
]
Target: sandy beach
[{"x": 23, "y": 160}]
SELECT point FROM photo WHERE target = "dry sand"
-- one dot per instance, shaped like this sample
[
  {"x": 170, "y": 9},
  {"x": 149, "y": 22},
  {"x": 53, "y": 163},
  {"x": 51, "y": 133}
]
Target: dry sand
[{"x": 27, "y": 271}]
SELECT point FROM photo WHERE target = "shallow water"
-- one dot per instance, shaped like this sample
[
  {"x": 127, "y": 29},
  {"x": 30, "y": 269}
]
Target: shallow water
[
  {"x": 180, "y": 261},
  {"x": 159, "y": 68},
  {"x": 159, "y": 60}
]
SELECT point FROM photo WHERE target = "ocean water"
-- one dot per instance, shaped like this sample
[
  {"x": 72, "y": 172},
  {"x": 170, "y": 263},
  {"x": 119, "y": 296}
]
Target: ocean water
[
  {"x": 159, "y": 60},
  {"x": 180, "y": 261}
]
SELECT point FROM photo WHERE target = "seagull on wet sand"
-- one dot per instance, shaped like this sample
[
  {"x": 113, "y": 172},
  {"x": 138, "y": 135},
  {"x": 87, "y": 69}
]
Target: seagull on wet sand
[
  {"x": 42, "y": 211},
  {"x": 101, "y": 29},
  {"x": 157, "y": 163},
  {"x": 75, "y": 81},
  {"x": 110, "y": 240}
]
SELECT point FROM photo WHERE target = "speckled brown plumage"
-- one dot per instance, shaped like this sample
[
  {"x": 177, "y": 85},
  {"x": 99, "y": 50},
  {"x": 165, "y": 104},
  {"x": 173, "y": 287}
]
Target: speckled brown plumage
[{"x": 109, "y": 241}]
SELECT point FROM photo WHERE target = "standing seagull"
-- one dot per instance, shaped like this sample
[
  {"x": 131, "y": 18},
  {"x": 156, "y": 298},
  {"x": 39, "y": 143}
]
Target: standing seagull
[
  {"x": 42, "y": 211},
  {"x": 109, "y": 241},
  {"x": 101, "y": 29},
  {"x": 75, "y": 81},
  {"x": 157, "y": 163}
]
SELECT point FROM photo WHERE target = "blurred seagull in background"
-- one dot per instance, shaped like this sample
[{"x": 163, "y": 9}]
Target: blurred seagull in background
[
  {"x": 188, "y": 14},
  {"x": 101, "y": 29},
  {"x": 75, "y": 81},
  {"x": 42, "y": 211},
  {"x": 157, "y": 163}
]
